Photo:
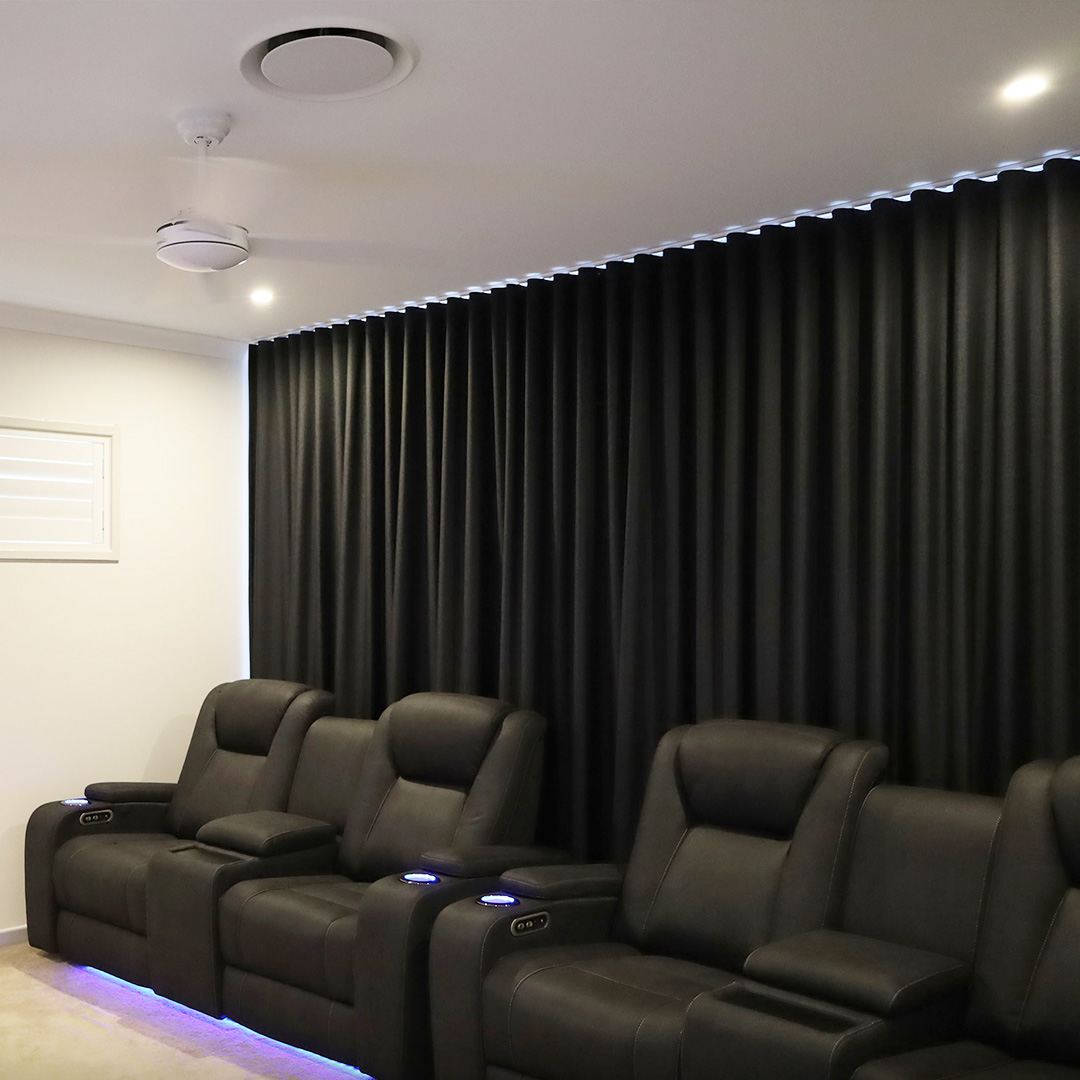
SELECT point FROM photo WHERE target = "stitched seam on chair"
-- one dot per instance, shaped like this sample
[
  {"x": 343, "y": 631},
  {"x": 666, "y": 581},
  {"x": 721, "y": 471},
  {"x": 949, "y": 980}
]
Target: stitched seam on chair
[
  {"x": 925, "y": 978},
  {"x": 510, "y": 1007},
  {"x": 843, "y": 1038},
  {"x": 637, "y": 1032},
  {"x": 240, "y": 918},
  {"x": 69, "y": 859},
  {"x": 752, "y": 952},
  {"x": 1035, "y": 969},
  {"x": 844, "y": 829},
  {"x": 206, "y": 764},
  {"x": 517, "y": 800},
  {"x": 619, "y": 982},
  {"x": 682, "y": 1030},
  {"x": 480, "y": 995},
  {"x": 382, "y": 803},
  {"x": 985, "y": 889},
  {"x": 326, "y": 937},
  {"x": 127, "y": 897},
  {"x": 656, "y": 891},
  {"x": 496, "y": 836},
  {"x": 404, "y": 977}
]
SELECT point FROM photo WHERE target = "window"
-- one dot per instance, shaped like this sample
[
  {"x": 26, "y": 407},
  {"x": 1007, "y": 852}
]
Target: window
[{"x": 57, "y": 493}]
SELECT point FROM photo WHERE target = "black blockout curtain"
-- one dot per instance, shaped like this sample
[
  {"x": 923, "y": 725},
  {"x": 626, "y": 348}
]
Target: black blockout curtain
[{"x": 827, "y": 474}]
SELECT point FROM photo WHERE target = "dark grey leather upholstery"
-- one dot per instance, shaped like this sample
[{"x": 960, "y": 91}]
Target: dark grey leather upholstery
[
  {"x": 1024, "y": 1019},
  {"x": 131, "y": 791},
  {"x": 860, "y": 972},
  {"x": 328, "y": 772},
  {"x": 317, "y": 960},
  {"x": 591, "y": 1012},
  {"x": 86, "y": 882},
  {"x": 743, "y": 837},
  {"x": 266, "y": 832},
  {"x": 963, "y": 1060},
  {"x": 243, "y": 752},
  {"x": 444, "y": 770},
  {"x": 185, "y": 885},
  {"x": 714, "y": 875},
  {"x": 298, "y": 932},
  {"x": 891, "y": 972}
]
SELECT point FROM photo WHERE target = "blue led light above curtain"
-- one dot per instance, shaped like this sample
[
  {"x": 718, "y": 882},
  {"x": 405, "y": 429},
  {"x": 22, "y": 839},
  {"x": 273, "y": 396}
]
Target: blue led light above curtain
[{"x": 827, "y": 474}]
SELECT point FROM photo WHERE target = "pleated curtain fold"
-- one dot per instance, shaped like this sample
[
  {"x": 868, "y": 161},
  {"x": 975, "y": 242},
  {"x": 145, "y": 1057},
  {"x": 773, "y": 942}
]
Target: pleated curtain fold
[{"x": 826, "y": 474}]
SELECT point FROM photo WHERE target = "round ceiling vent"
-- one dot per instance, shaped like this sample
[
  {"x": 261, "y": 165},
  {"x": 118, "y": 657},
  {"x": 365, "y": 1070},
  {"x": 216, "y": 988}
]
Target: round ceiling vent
[{"x": 327, "y": 63}]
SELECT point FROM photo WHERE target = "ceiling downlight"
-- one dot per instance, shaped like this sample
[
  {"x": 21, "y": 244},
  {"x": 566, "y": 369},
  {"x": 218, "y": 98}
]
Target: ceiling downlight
[{"x": 327, "y": 63}]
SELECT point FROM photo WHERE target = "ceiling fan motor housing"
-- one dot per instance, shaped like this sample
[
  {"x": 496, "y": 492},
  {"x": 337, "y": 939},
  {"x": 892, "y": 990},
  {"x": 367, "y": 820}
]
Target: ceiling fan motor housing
[{"x": 201, "y": 246}]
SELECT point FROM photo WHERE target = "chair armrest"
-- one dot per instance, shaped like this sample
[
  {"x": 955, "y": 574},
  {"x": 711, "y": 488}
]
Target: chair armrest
[
  {"x": 858, "y": 972},
  {"x": 266, "y": 832},
  {"x": 131, "y": 791},
  {"x": 49, "y": 828},
  {"x": 468, "y": 940},
  {"x": 394, "y": 921},
  {"x": 562, "y": 882},
  {"x": 488, "y": 860}
]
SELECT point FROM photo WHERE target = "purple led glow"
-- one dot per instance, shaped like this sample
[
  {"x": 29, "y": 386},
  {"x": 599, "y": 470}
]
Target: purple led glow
[
  {"x": 498, "y": 899},
  {"x": 420, "y": 877},
  {"x": 339, "y": 1066},
  {"x": 74, "y": 802}
]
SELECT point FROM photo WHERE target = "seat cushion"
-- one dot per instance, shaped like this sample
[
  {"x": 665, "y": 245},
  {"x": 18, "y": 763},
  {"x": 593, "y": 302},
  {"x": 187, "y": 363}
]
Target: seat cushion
[
  {"x": 591, "y": 1012},
  {"x": 296, "y": 930},
  {"x": 104, "y": 877},
  {"x": 960, "y": 1060},
  {"x": 859, "y": 972}
]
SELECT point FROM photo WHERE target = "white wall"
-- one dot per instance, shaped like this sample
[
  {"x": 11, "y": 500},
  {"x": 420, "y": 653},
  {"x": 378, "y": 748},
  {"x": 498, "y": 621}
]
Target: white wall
[{"x": 103, "y": 666}]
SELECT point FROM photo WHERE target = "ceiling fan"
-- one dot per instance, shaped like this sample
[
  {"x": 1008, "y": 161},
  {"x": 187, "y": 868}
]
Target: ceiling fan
[
  {"x": 192, "y": 242},
  {"x": 218, "y": 190}
]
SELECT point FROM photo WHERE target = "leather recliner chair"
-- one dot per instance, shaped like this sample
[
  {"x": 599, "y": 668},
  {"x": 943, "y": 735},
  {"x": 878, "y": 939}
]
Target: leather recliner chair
[
  {"x": 743, "y": 837},
  {"x": 891, "y": 973},
  {"x": 185, "y": 882},
  {"x": 1024, "y": 1019},
  {"x": 336, "y": 961},
  {"x": 86, "y": 865}
]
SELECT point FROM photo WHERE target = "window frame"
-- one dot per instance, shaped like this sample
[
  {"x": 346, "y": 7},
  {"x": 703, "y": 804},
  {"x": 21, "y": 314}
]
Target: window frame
[{"x": 109, "y": 549}]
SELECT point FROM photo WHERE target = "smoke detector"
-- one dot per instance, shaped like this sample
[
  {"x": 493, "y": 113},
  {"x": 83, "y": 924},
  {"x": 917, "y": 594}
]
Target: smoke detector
[
  {"x": 328, "y": 63},
  {"x": 190, "y": 241}
]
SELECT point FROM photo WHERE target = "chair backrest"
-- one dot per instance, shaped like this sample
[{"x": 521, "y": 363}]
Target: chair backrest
[
  {"x": 243, "y": 751},
  {"x": 328, "y": 772},
  {"x": 1027, "y": 967},
  {"x": 919, "y": 868},
  {"x": 443, "y": 770},
  {"x": 744, "y": 831}
]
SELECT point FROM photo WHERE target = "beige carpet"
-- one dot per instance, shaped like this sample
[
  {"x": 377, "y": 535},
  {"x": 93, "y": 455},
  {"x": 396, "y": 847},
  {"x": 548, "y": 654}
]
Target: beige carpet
[{"x": 59, "y": 1022}]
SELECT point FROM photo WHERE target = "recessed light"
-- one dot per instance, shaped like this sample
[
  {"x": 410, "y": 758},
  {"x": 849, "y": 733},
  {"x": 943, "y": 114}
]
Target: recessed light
[
  {"x": 1025, "y": 88},
  {"x": 261, "y": 296}
]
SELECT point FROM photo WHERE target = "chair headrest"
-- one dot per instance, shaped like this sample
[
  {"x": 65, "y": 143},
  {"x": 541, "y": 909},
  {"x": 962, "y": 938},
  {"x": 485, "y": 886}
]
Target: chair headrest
[
  {"x": 751, "y": 776},
  {"x": 440, "y": 738},
  {"x": 248, "y": 713}
]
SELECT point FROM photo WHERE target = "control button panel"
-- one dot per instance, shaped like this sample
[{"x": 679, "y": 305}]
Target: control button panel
[
  {"x": 527, "y": 924},
  {"x": 95, "y": 817}
]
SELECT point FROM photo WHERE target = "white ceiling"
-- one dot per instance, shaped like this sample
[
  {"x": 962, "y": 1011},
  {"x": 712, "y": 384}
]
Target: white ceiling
[{"x": 532, "y": 134}]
